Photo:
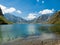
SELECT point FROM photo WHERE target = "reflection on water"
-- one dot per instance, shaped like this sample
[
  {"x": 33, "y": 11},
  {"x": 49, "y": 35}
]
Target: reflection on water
[
  {"x": 31, "y": 29},
  {"x": 0, "y": 34},
  {"x": 55, "y": 29},
  {"x": 11, "y": 32}
]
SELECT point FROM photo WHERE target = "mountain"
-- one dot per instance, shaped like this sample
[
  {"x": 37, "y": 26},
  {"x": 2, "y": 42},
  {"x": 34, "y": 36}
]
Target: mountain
[
  {"x": 3, "y": 20},
  {"x": 43, "y": 18},
  {"x": 1, "y": 14},
  {"x": 55, "y": 19},
  {"x": 14, "y": 19}
]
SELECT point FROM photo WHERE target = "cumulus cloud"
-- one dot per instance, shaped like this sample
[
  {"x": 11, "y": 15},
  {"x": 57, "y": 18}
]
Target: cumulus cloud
[
  {"x": 31, "y": 16},
  {"x": 9, "y": 10},
  {"x": 46, "y": 11}
]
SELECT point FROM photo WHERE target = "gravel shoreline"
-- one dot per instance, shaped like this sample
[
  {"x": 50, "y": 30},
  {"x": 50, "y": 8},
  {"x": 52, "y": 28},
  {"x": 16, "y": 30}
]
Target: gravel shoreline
[{"x": 33, "y": 41}]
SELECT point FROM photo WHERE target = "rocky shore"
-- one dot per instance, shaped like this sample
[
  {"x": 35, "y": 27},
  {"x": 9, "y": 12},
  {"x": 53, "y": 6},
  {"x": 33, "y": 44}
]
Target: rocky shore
[{"x": 33, "y": 41}]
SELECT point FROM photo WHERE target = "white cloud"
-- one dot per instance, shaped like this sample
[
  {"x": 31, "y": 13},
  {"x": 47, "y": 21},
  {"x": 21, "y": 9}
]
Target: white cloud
[
  {"x": 37, "y": 0},
  {"x": 18, "y": 11},
  {"x": 31, "y": 16},
  {"x": 46, "y": 11},
  {"x": 42, "y": 2},
  {"x": 9, "y": 10}
]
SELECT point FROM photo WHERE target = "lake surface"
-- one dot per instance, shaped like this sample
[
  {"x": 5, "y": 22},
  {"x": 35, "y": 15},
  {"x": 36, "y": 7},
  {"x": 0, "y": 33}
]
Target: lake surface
[{"x": 11, "y": 32}]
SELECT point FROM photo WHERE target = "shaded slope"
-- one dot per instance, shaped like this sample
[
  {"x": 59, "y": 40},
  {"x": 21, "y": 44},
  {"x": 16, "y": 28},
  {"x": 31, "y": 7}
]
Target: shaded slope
[{"x": 3, "y": 20}]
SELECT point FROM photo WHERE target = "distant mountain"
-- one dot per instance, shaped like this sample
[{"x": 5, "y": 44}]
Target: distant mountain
[
  {"x": 14, "y": 19},
  {"x": 42, "y": 18},
  {"x": 3, "y": 20},
  {"x": 55, "y": 19}
]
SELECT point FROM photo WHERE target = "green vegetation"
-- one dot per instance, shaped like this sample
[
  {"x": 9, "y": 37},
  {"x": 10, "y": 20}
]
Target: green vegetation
[
  {"x": 58, "y": 22},
  {"x": 4, "y": 21}
]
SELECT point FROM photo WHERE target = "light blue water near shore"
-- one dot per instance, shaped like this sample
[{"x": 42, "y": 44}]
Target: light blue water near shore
[{"x": 11, "y": 32}]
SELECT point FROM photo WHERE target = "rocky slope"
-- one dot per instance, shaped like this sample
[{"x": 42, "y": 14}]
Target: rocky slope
[
  {"x": 14, "y": 18},
  {"x": 42, "y": 19},
  {"x": 55, "y": 19}
]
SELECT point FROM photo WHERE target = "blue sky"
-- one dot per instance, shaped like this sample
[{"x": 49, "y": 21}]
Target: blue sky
[{"x": 29, "y": 8}]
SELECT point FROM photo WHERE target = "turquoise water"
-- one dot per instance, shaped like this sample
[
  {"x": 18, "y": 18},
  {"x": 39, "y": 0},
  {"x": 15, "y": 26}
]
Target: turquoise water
[{"x": 11, "y": 32}]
